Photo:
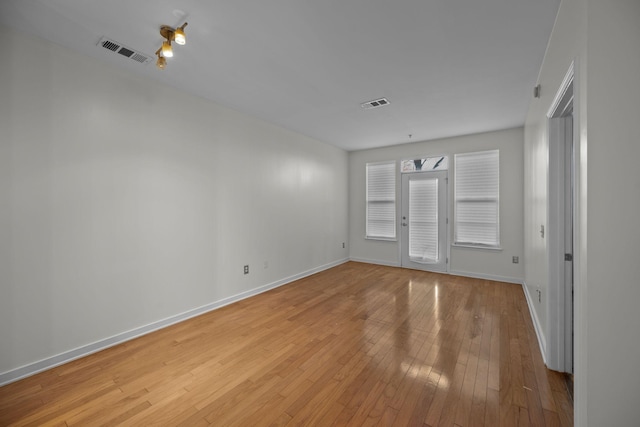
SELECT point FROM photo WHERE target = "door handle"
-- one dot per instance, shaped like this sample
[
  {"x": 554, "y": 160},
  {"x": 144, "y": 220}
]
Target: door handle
[{"x": 404, "y": 224}]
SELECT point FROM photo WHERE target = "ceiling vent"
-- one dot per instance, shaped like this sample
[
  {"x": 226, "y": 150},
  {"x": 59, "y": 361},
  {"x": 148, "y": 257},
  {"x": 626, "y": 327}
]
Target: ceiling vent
[
  {"x": 125, "y": 51},
  {"x": 375, "y": 103}
]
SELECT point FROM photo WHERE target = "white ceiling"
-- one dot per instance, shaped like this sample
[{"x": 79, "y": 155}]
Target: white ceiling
[{"x": 448, "y": 67}]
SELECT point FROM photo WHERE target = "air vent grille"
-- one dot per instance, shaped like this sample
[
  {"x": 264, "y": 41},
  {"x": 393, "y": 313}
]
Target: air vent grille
[
  {"x": 125, "y": 51},
  {"x": 140, "y": 58},
  {"x": 110, "y": 45},
  {"x": 375, "y": 103}
]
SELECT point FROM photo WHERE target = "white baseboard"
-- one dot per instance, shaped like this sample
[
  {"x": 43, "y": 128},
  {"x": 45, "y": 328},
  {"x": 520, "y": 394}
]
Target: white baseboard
[
  {"x": 68, "y": 356},
  {"x": 542, "y": 342},
  {"x": 453, "y": 272},
  {"x": 375, "y": 261},
  {"x": 493, "y": 277}
]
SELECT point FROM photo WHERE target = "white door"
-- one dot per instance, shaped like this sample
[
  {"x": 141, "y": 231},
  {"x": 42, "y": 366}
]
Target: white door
[
  {"x": 424, "y": 221},
  {"x": 568, "y": 241},
  {"x": 561, "y": 212}
]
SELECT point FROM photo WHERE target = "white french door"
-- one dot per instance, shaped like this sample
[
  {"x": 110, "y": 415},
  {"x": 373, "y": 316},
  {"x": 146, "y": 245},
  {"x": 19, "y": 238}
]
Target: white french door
[{"x": 424, "y": 221}]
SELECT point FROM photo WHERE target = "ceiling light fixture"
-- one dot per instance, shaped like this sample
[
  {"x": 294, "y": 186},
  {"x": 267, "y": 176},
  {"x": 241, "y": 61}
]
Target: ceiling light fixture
[{"x": 166, "y": 51}]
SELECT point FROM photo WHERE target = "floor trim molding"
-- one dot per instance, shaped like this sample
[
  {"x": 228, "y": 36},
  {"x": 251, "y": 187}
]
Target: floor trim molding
[
  {"x": 68, "y": 356},
  {"x": 487, "y": 277},
  {"x": 375, "y": 261},
  {"x": 536, "y": 324}
]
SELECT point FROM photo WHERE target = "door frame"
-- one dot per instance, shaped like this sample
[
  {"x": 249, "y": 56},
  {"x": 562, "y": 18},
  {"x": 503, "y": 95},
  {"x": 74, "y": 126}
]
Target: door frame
[
  {"x": 445, "y": 207},
  {"x": 561, "y": 301}
]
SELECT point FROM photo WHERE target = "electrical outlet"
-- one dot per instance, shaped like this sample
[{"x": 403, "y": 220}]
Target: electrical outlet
[
  {"x": 539, "y": 295},
  {"x": 342, "y": 245},
  {"x": 246, "y": 269},
  {"x": 515, "y": 259}
]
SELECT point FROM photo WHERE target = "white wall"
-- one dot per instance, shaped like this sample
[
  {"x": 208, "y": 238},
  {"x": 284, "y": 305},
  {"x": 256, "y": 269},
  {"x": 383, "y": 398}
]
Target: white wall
[
  {"x": 613, "y": 271},
  {"x": 475, "y": 262},
  {"x": 603, "y": 37},
  {"x": 566, "y": 45},
  {"x": 126, "y": 202}
]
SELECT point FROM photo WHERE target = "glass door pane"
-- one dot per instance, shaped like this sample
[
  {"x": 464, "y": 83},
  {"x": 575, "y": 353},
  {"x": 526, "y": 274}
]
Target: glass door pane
[{"x": 423, "y": 220}]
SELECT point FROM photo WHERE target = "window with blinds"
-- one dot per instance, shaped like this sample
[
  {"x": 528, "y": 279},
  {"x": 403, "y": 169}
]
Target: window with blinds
[
  {"x": 381, "y": 201},
  {"x": 477, "y": 199}
]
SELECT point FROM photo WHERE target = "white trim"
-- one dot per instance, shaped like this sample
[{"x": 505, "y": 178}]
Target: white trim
[
  {"x": 451, "y": 272},
  {"x": 483, "y": 276},
  {"x": 68, "y": 356},
  {"x": 376, "y": 262},
  {"x": 536, "y": 324},
  {"x": 472, "y": 246},
  {"x": 568, "y": 79},
  {"x": 383, "y": 239},
  {"x": 580, "y": 254}
]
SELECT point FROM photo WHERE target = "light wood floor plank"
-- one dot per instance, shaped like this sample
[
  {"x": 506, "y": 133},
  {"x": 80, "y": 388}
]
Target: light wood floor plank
[{"x": 358, "y": 345}]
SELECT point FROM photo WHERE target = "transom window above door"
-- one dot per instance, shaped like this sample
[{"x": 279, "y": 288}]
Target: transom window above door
[{"x": 437, "y": 163}]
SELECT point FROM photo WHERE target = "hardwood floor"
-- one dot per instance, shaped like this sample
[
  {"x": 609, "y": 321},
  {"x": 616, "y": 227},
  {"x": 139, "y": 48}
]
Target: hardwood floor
[{"x": 359, "y": 345}]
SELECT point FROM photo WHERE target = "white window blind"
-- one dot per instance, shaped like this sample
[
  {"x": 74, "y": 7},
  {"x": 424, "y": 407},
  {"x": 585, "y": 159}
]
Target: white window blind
[
  {"x": 381, "y": 201},
  {"x": 477, "y": 199},
  {"x": 423, "y": 220}
]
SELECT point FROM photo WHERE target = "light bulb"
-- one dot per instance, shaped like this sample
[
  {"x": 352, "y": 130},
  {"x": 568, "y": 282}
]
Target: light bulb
[
  {"x": 167, "y": 51},
  {"x": 179, "y": 36},
  {"x": 161, "y": 63}
]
